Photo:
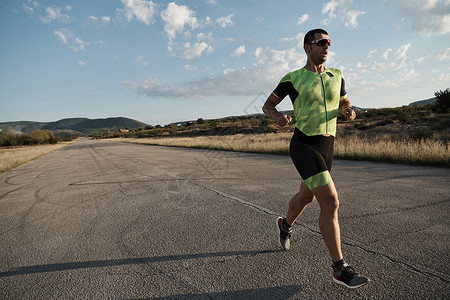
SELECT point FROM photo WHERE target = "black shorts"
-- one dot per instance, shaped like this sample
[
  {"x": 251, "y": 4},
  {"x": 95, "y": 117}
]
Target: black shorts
[{"x": 312, "y": 157}]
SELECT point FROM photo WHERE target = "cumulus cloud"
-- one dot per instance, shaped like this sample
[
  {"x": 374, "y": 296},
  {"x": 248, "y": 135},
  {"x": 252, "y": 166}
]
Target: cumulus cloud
[
  {"x": 141, "y": 10},
  {"x": 239, "y": 51},
  {"x": 79, "y": 45},
  {"x": 177, "y": 18},
  {"x": 395, "y": 70},
  {"x": 195, "y": 51},
  {"x": 225, "y": 21},
  {"x": 103, "y": 19},
  {"x": 262, "y": 76},
  {"x": 386, "y": 53},
  {"x": 61, "y": 36},
  {"x": 444, "y": 55},
  {"x": 303, "y": 19},
  {"x": 66, "y": 37},
  {"x": 55, "y": 14},
  {"x": 340, "y": 9},
  {"x": 81, "y": 63},
  {"x": 428, "y": 17}
]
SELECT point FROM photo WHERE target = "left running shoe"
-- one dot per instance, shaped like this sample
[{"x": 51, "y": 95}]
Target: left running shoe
[
  {"x": 285, "y": 235},
  {"x": 348, "y": 277}
]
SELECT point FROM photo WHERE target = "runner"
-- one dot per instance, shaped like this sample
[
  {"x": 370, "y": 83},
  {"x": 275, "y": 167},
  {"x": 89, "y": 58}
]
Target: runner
[{"x": 318, "y": 95}]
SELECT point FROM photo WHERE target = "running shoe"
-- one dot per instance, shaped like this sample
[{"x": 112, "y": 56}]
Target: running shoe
[
  {"x": 285, "y": 235},
  {"x": 348, "y": 277}
]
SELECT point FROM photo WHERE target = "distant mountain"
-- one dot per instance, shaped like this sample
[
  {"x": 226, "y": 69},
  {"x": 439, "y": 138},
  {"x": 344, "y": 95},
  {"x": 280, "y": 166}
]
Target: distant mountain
[
  {"x": 22, "y": 126},
  {"x": 74, "y": 126},
  {"x": 423, "y": 102}
]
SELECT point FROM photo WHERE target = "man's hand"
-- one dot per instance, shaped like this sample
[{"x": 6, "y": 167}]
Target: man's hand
[
  {"x": 350, "y": 114},
  {"x": 284, "y": 120}
]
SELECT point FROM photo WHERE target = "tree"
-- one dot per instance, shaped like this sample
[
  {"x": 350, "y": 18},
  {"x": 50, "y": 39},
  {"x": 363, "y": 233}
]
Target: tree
[{"x": 442, "y": 101}]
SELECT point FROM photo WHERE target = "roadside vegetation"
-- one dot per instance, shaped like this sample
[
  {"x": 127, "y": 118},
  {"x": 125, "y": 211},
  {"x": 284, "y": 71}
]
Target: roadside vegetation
[
  {"x": 416, "y": 135},
  {"x": 13, "y": 157},
  {"x": 37, "y": 137},
  {"x": 18, "y": 148}
]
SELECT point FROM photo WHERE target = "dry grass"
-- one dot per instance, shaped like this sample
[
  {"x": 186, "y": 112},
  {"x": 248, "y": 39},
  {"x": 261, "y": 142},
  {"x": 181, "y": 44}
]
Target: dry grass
[
  {"x": 260, "y": 143},
  {"x": 380, "y": 148},
  {"x": 11, "y": 158}
]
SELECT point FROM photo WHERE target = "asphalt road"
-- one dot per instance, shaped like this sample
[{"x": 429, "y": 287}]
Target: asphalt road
[{"x": 105, "y": 220}]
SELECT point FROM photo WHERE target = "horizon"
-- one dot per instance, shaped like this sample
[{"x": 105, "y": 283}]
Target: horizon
[
  {"x": 162, "y": 62},
  {"x": 191, "y": 120}
]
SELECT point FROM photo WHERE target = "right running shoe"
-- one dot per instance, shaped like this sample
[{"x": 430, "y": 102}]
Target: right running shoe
[
  {"x": 348, "y": 277},
  {"x": 285, "y": 235}
]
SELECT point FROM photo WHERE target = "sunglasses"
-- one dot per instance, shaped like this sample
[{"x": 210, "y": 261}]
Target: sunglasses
[{"x": 322, "y": 42}]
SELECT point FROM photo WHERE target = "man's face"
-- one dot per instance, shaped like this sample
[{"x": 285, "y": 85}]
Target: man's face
[{"x": 318, "y": 54}]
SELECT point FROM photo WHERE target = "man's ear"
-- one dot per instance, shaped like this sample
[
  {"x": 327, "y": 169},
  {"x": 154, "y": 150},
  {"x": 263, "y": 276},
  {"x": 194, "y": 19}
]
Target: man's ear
[{"x": 307, "y": 48}]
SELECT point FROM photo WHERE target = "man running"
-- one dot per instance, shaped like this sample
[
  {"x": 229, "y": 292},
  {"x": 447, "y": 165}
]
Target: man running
[{"x": 318, "y": 95}]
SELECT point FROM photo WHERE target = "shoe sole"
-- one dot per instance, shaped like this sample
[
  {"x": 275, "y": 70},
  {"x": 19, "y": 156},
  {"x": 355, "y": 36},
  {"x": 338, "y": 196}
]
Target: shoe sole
[{"x": 348, "y": 286}]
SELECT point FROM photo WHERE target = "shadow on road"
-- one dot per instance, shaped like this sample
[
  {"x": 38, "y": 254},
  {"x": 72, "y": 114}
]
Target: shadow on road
[
  {"x": 120, "y": 262},
  {"x": 280, "y": 292}
]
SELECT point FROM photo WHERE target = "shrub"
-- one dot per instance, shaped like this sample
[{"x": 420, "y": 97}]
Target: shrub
[{"x": 442, "y": 104}]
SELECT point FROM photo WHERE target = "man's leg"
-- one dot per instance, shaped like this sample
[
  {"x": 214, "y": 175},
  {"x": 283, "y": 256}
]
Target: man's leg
[
  {"x": 298, "y": 203},
  {"x": 328, "y": 220},
  {"x": 296, "y": 207}
]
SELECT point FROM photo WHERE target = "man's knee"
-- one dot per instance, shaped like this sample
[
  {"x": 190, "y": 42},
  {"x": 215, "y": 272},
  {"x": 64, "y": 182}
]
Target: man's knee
[
  {"x": 301, "y": 199},
  {"x": 329, "y": 204}
]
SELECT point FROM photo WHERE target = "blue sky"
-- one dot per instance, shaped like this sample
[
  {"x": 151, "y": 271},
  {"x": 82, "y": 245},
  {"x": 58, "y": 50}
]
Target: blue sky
[{"x": 161, "y": 61}]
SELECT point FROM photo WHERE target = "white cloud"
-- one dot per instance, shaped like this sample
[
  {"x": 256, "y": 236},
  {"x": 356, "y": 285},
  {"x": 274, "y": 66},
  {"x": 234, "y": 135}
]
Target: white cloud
[
  {"x": 141, "y": 60},
  {"x": 103, "y": 19},
  {"x": 444, "y": 78},
  {"x": 225, "y": 21},
  {"x": 177, "y": 18},
  {"x": 262, "y": 76},
  {"x": 80, "y": 45},
  {"x": 444, "y": 55},
  {"x": 239, "y": 51},
  {"x": 28, "y": 9},
  {"x": 330, "y": 9},
  {"x": 66, "y": 37},
  {"x": 428, "y": 17},
  {"x": 386, "y": 53},
  {"x": 81, "y": 63},
  {"x": 61, "y": 36},
  {"x": 196, "y": 51},
  {"x": 371, "y": 53},
  {"x": 303, "y": 19},
  {"x": 352, "y": 16},
  {"x": 204, "y": 37},
  {"x": 298, "y": 38},
  {"x": 55, "y": 14},
  {"x": 341, "y": 9},
  {"x": 190, "y": 68},
  {"x": 401, "y": 56},
  {"x": 142, "y": 10}
]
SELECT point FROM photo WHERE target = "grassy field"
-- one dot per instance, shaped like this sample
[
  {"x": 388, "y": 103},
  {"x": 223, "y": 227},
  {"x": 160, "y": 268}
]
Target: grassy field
[
  {"x": 11, "y": 158},
  {"x": 381, "y": 148}
]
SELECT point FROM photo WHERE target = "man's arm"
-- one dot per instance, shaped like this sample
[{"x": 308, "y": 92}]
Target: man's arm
[
  {"x": 345, "y": 109},
  {"x": 270, "y": 111}
]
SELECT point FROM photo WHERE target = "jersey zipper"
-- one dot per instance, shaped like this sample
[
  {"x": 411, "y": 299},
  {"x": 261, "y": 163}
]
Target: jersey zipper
[{"x": 325, "y": 104}]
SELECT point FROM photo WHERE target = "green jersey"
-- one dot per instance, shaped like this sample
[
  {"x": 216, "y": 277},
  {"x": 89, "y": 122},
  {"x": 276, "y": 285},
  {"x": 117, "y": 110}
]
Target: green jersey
[{"x": 315, "y": 98}]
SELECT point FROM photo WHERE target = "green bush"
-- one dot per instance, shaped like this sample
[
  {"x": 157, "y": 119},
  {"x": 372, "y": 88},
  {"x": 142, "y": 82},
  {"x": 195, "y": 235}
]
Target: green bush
[{"x": 37, "y": 137}]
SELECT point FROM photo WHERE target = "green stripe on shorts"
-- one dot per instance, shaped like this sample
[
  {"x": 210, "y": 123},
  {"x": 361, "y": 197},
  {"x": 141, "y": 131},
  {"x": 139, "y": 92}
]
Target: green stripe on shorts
[{"x": 319, "y": 179}]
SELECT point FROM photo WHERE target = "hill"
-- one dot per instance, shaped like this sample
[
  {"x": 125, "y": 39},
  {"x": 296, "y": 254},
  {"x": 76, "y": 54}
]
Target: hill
[
  {"x": 423, "y": 102},
  {"x": 74, "y": 126}
]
